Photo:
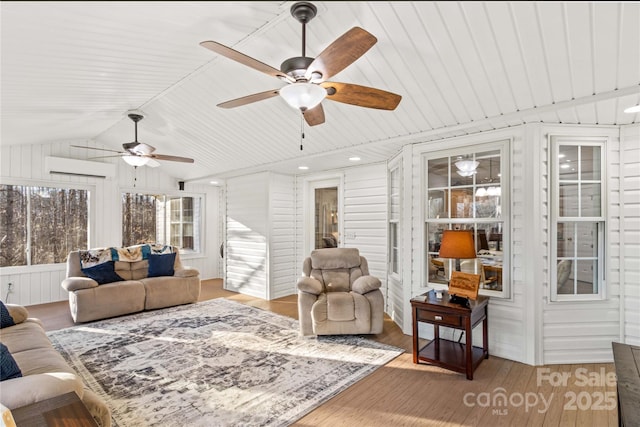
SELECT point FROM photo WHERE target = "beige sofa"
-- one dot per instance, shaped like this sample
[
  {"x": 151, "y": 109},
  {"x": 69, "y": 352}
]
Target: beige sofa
[
  {"x": 137, "y": 292},
  {"x": 45, "y": 374}
]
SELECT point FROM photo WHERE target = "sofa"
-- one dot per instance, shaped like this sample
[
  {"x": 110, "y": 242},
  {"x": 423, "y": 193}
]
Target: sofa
[
  {"x": 336, "y": 294},
  {"x": 44, "y": 373},
  {"x": 109, "y": 282}
]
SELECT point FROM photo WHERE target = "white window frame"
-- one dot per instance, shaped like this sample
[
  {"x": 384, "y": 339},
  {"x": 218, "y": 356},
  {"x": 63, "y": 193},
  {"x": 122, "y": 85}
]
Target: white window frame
[
  {"x": 91, "y": 189},
  {"x": 503, "y": 146},
  {"x": 554, "y": 143},
  {"x": 163, "y": 232},
  {"x": 395, "y": 167}
]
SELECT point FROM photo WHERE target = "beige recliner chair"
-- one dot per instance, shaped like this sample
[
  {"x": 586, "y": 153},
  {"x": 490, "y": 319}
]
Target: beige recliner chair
[{"x": 336, "y": 295}]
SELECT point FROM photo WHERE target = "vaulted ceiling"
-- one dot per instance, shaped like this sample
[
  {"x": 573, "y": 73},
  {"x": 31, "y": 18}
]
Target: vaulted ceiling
[{"x": 71, "y": 70}]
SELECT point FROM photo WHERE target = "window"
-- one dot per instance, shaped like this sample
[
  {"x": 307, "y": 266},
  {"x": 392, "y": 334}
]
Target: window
[
  {"x": 466, "y": 191},
  {"x": 394, "y": 220},
  {"x": 171, "y": 220},
  {"x": 41, "y": 225},
  {"x": 578, "y": 220}
]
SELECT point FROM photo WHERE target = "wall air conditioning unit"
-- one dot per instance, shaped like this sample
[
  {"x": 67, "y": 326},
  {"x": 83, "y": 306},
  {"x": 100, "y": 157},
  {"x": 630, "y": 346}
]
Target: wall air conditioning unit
[{"x": 62, "y": 166}]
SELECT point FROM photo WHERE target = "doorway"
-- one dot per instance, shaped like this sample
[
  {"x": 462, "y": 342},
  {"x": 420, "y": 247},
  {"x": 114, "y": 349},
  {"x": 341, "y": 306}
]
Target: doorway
[{"x": 323, "y": 216}]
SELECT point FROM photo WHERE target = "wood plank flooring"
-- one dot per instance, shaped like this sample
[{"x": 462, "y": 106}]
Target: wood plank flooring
[{"x": 502, "y": 393}]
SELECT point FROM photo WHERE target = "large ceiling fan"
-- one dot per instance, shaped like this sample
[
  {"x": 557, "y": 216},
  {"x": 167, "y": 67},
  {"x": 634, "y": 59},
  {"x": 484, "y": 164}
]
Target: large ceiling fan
[
  {"x": 138, "y": 153},
  {"x": 307, "y": 77}
]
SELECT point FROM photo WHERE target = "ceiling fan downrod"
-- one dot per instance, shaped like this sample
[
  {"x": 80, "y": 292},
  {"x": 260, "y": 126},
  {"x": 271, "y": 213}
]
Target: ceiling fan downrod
[{"x": 297, "y": 66}]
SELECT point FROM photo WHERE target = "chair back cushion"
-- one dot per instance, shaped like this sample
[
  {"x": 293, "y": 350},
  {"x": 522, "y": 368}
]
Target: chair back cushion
[{"x": 335, "y": 268}]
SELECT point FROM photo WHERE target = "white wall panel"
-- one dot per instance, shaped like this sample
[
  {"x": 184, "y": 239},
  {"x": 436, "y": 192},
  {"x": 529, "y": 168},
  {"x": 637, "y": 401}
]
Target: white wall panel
[
  {"x": 630, "y": 233},
  {"x": 282, "y": 236},
  {"x": 589, "y": 326},
  {"x": 247, "y": 235}
]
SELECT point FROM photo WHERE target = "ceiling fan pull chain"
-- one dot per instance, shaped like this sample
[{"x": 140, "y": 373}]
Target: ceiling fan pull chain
[
  {"x": 301, "y": 130},
  {"x": 135, "y": 174}
]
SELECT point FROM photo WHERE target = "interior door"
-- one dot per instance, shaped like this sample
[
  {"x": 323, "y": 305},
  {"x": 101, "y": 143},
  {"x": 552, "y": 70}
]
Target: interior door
[{"x": 323, "y": 214}]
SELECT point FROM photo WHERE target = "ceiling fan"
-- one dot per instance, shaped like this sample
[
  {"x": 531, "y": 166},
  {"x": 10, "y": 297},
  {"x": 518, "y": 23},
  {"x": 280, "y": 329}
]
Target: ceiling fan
[
  {"x": 307, "y": 77},
  {"x": 138, "y": 153}
]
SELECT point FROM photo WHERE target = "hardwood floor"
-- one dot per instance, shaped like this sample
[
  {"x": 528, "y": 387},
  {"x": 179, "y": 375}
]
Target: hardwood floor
[{"x": 502, "y": 393}]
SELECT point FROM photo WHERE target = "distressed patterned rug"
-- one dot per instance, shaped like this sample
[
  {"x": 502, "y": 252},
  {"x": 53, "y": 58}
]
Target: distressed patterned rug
[{"x": 214, "y": 363}]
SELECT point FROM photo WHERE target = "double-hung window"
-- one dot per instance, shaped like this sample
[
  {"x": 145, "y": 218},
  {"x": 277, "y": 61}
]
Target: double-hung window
[
  {"x": 159, "y": 218},
  {"x": 394, "y": 220},
  {"x": 577, "y": 218},
  {"x": 467, "y": 189}
]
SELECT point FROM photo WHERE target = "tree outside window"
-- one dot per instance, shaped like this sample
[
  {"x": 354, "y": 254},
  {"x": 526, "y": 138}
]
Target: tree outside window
[
  {"x": 170, "y": 220},
  {"x": 41, "y": 225}
]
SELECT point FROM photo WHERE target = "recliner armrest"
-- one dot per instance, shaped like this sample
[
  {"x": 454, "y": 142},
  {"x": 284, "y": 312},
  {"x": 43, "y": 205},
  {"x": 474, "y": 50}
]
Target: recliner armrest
[
  {"x": 364, "y": 284},
  {"x": 310, "y": 285},
  {"x": 76, "y": 283},
  {"x": 186, "y": 272}
]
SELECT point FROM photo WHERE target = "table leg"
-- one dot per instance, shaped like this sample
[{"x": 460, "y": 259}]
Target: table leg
[
  {"x": 485, "y": 337},
  {"x": 415, "y": 336},
  {"x": 469, "y": 348}
]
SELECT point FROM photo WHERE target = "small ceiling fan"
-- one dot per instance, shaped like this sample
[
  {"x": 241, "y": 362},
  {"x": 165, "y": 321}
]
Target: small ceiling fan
[
  {"x": 138, "y": 153},
  {"x": 307, "y": 77}
]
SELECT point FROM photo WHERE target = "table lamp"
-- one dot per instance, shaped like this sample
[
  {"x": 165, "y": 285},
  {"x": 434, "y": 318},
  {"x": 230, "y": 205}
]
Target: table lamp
[{"x": 457, "y": 244}]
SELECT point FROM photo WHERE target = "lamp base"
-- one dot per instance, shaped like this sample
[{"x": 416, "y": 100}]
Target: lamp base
[{"x": 455, "y": 299}]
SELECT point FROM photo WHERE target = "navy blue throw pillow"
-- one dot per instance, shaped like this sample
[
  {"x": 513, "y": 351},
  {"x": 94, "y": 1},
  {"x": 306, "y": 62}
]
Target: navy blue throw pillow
[
  {"x": 8, "y": 367},
  {"x": 5, "y": 318},
  {"x": 103, "y": 273},
  {"x": 161, "y": 265}
]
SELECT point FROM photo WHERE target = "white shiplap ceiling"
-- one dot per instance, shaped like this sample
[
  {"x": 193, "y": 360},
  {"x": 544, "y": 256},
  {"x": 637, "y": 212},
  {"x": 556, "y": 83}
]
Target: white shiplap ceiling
[{"x": 70, "y": 71}]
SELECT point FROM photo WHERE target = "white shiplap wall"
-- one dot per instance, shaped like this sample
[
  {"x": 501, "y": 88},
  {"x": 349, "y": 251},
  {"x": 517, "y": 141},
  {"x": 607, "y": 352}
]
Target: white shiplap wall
[
  {"x": 507, "y": 316},
  {"x": 24, "y": 164},
  {"x": 365, "y": 216},
  {"x": 247, "y": 233},
  {"x": 630, "y": 235},
  {"x": 282, "y": 236},
  {"x": 582, "y": 331}
]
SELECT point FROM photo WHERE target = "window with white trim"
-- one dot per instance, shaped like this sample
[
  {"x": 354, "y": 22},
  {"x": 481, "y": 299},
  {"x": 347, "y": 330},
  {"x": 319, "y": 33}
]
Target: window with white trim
[
  {"x": 577, "y": 218},
  {"x": 394, "y": 220},
  {"x": 159, "y": 218},
  {"x": 466, "y": 189},
  {"x": 41, "y": 224}
]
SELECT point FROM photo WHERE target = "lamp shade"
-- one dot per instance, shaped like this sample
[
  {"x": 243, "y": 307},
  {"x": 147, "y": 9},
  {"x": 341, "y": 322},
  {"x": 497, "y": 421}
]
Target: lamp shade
[
  {"x": 303, "y": 96},
  {"x": 135, "y": 160},
  {"x": 457, "y": 244}
]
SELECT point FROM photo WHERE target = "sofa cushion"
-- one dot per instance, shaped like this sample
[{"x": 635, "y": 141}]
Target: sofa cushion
[
  {"x": 5, "y": 318},
  {"x": 161, "y": 265},
  {"x": 103, "y": 273},
  {"x": 8, "y": 367}
]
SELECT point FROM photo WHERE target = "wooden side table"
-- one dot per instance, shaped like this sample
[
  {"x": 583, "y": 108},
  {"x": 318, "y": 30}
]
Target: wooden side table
[
  {"x": 66, "y": 410},
  {"x": 459, "y": 357}
]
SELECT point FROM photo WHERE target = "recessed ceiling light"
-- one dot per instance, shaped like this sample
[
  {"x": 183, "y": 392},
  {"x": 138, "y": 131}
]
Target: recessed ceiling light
[
  {"x": 354, "y": 159},
  {"x": 561, "y": 156},
  {"x": 213, "y": 182},
  {"x": 565, "y": 166},
  {"x": 303, "y": 168},
  {"x": 634, "y": 109}
]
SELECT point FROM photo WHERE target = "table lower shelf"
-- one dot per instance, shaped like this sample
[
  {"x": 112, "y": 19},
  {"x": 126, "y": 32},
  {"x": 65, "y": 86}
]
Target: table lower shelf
[{"x": 451, "y": 355}]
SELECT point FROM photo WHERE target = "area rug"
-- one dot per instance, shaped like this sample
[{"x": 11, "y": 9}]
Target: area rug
[{"x": 214, "y": 363}]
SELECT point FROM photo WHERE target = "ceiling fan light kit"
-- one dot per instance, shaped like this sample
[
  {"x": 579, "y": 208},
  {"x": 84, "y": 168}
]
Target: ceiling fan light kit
[
  {"x": 306, "y": 77},
  {"x": 303, "y": 96}
]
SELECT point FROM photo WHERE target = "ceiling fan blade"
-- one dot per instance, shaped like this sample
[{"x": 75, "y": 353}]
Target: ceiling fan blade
[
  {"x": 171, "y": 158},
  {"x": 361, "y": 96},
  {"x": 245, "y": 60},
  {"x": 314, "y": 116},
  {"x": 344, "y": 51},
  {"x": 249, "y": 99},
  {"x": 101, "y": 149}
]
